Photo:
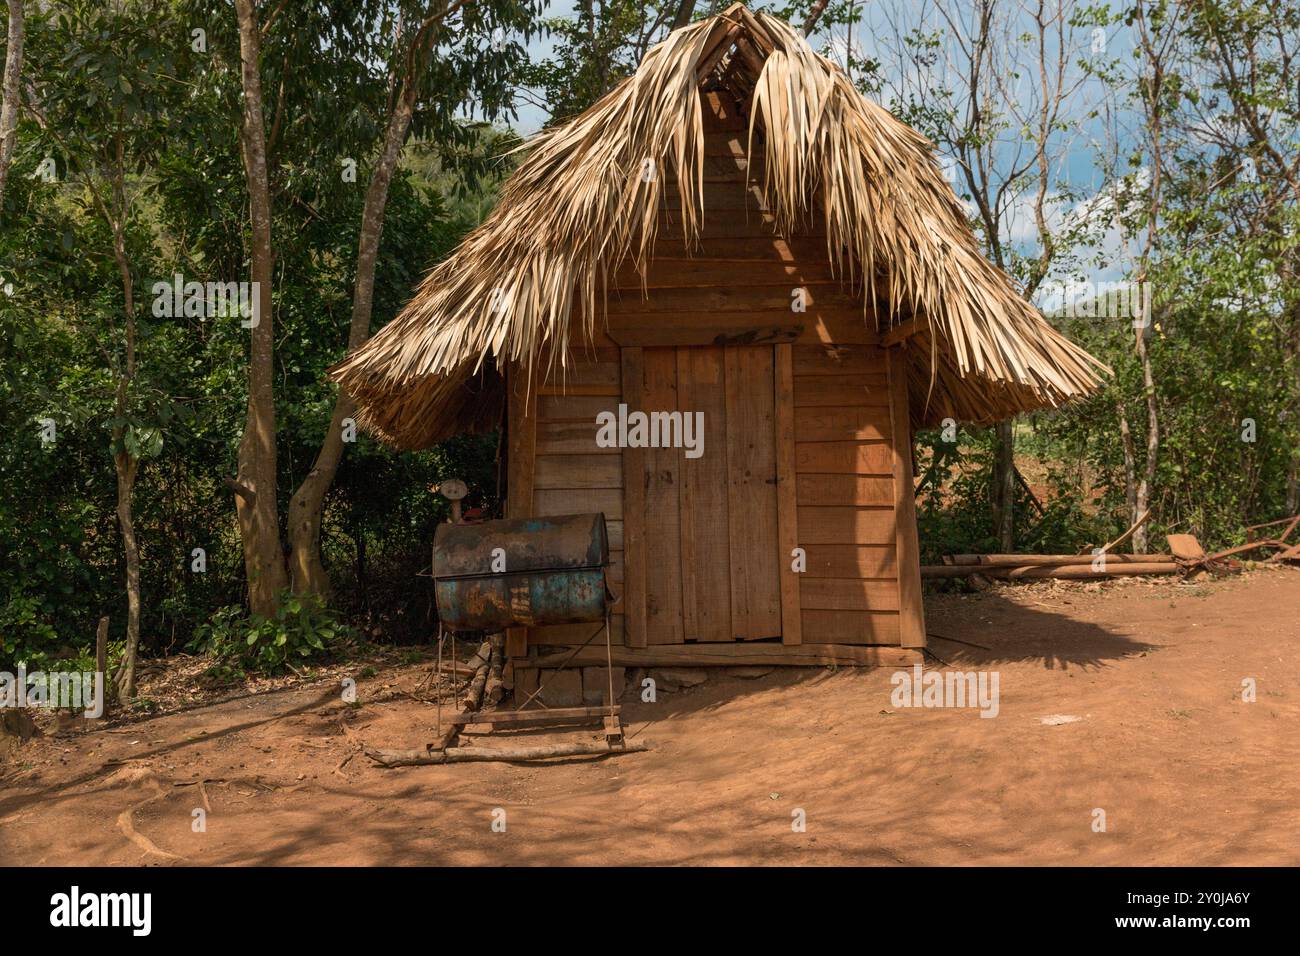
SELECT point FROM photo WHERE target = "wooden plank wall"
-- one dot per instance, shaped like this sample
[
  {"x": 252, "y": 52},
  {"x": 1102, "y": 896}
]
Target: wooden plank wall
[
  {"x": 663, "y": 557},
  {"x": 752, "y": 499},
  {"x": 705, "y": 525},
  {"x": 845, "y": 495},
  {"x": 911, "y": 605},
  {"x": 571, "y": 474},
  {"x": 839, "y": 479}
]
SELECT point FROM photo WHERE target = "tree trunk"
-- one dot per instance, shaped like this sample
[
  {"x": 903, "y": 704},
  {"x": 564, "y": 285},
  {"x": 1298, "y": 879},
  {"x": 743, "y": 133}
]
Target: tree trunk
[
  {"x": 256, "y": 506},
  {"x": 1148, "y": 477},
  {"x": 685, "y": 10},
  {"x": 125, "y": 465},
  {"x": 305, "y": 567},
  {"x": 127, "y": 469},
  {"x": 1153, "y": 81},
  {"x": 1130, "y": 467},
  {"x": 9, "y": 98},
  {"x": 1004, "y": 486},
  {"x": 1293, "y": 468},
  {"x": 815, "y": 14}
]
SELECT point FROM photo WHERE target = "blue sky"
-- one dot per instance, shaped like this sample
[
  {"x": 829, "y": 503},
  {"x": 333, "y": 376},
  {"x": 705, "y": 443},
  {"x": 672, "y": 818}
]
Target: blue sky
[{"x": 1077, "y": 170}]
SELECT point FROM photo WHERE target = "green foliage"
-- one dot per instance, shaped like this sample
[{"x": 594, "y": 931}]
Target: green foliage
[
  {"x": 302, "y": 630},
  {"x": 61, "y": 335},
  {"x": 954, "y": 503},
  {"x": 126, "y": 77},
  {"x": 24, "y": 627}
]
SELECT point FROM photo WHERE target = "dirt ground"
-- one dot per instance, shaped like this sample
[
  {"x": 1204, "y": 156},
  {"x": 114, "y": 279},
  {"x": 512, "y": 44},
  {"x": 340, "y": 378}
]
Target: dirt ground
[{"x": 1185, "y": 770}]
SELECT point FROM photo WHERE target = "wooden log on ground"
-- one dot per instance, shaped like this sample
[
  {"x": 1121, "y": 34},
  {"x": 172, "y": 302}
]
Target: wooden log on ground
[
  {"x": 1080, "y": 572},
  {"x": 474, "y": 695},
  {"x": 416, "y": 758},
  {"x": 482, "y": 660},
  {"x": 482, "y": 656},
  {"x": 1065, "y": 567},
  {"x": 495, "y": 689},
  {"x": 449, "y": 737},
  {"x": 976, "y": 561}
]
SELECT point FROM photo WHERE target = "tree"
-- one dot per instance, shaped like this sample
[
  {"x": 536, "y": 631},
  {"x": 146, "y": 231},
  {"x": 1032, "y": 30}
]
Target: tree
[
  {"x": 255, "y": 480},
  {"x": 406, "y": 68},
  {"x": 1203, "y": 225},
  {"x": 993, "y": 84},
  {"x": 1158, "y": 31},
  {"x": 106, "y": 93},
  {"x": 418, "y": 32},
  {"x": 1252, "y": 49},
  {"x": 9, "y": 93},
  {"x": 597, "y": 47}
]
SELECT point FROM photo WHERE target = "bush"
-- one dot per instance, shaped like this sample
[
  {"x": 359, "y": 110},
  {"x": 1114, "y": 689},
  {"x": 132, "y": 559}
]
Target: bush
[
  {"x": 303, "y": 629},
  {"x": 24, "y": 630}
]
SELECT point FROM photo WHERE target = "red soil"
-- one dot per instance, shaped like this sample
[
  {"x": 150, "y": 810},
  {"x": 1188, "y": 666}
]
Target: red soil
[{"x": 1186, "y": 772}]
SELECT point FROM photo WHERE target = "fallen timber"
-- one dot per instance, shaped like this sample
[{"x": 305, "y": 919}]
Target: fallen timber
[
  {"x": 429, "y": 756},
  {"x": 1074, "y": 571},
  {"x": 1023, "y": 560},
  {"x": 1186, "y": 557}
]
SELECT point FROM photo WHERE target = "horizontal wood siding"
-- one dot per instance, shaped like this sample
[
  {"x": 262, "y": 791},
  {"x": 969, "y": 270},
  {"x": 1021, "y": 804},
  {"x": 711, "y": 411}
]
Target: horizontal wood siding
[
  {"x": 845, "y": 489},
  {"x": 571, "y": 475}
]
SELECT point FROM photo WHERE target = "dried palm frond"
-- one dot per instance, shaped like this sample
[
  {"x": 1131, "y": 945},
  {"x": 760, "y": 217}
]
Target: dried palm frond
[{"x": 586, "y": 199}]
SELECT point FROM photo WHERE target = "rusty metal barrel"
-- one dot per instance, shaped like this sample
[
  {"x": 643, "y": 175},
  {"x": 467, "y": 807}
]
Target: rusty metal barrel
[{"x": 521, "y": 572}]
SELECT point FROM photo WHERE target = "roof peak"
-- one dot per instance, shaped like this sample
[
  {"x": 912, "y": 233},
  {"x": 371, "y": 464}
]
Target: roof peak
[{"x": 578, "y": 206}]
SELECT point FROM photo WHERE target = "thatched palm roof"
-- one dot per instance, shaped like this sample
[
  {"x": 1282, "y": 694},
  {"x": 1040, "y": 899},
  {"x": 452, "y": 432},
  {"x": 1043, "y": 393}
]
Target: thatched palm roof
[{"x": 578, "y": 206}]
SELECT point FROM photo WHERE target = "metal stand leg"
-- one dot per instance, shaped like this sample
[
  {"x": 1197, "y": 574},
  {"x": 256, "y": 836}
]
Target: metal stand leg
[
  {"x": 438, "y": 683},
  {"x": 613, "y": 727}
]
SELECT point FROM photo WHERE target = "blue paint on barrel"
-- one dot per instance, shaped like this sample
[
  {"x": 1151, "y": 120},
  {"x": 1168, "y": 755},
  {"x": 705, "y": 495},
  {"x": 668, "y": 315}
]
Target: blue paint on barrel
[
  {"x": 554, "y": 572},
  {"x": 534, "y": 599}
]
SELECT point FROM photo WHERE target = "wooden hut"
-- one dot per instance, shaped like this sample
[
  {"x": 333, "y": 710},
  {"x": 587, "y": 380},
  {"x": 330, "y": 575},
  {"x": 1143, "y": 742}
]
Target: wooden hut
[{"x": 733, "y": 231}]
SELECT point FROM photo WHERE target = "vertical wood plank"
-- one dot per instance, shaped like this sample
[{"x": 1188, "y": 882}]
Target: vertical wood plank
[
  {"x": 634, "y": 515},
  {"x": 663, "y": 545},
  {"x": 706, "y": 553},
  {"x": 521, "y": 452},
  {"x": 751, "y": 492},
  {"x": 786, "y": 495},
  {"x": 521, "y": 423},
  {"x": 911, "y": 608}
]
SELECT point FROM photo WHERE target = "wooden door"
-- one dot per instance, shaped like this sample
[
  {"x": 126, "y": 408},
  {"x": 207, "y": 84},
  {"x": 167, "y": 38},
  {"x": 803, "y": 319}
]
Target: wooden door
[{"x": 710, "y": 559}]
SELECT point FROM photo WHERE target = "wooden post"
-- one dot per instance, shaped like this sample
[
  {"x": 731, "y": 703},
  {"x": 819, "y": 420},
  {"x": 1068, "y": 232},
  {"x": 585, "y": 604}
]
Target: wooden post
[
  {"x": 787, "y": 523},
  {"x": 634, "y": 516},
  {"x": 521, "y": 460},
  {"x": 911, "y": 610},
  {"x": 101, "y": 663}
]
